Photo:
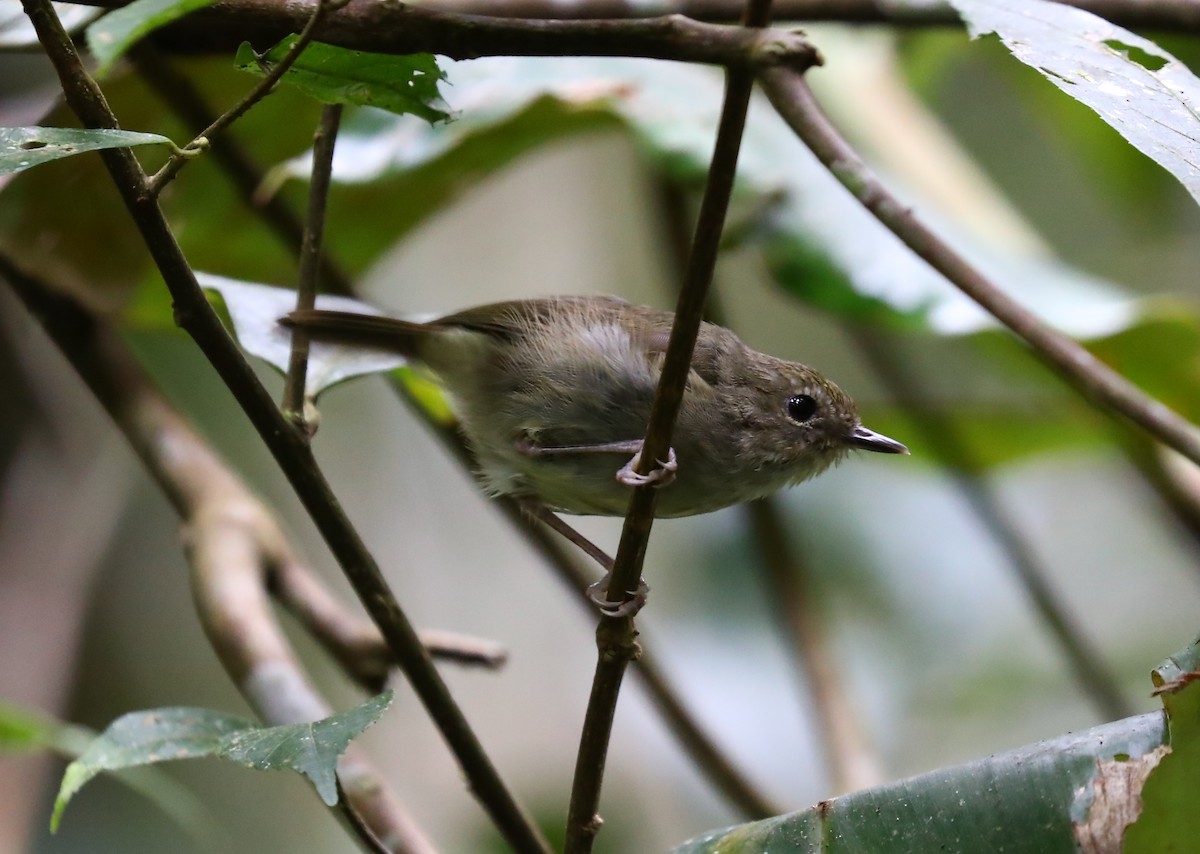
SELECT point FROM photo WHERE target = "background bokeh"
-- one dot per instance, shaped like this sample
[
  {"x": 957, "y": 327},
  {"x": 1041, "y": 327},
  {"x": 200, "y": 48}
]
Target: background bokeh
[{"x": 933, "y": 640}]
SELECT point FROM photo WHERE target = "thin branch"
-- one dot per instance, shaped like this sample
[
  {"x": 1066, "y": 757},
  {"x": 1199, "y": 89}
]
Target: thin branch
[
  {"x": 295, "y": 401},
  {"x": 616, "y": 637},
  {"x": 396, "y": 28},
  {"x": 357, "y": 646},
  {"x": 1102, "y": 386},
  {"x": 851, "y": 762},
  {"x": 1181, "y": 15},
  {"x": 288, "y": 447},
  {"x": 1084, "y": 662},
  {"x": 231, "y": 536},
  {"x": 183, "y": 98},
  {"x": 171, "y": 168}
]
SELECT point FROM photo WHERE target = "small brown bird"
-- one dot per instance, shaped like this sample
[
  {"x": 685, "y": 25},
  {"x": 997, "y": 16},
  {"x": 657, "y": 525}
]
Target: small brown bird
[{"x": 552, "y": 392}]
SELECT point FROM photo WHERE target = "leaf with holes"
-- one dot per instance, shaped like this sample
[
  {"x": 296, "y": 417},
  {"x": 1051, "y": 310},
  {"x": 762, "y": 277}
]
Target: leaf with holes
[
  {"x": 407, "y": 85},
  {"x": 1169, "y": 820},
  {"x": 21, "y": 148},
  {"x": 1145, "y": 93},
  {"x": 119, "y": 30},
  {"x": 1039, "y": 798},
  {"x": 162, "y": 735},
  {"x": 255, "y": 310}
]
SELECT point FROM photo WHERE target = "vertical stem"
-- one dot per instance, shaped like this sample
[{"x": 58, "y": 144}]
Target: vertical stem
[
  {"x": 616, "y": 638},
  {"x": 294, "y": 398}
]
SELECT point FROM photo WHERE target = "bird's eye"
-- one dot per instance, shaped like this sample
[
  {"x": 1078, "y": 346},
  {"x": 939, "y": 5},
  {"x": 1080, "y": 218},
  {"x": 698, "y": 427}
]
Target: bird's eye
[{"x": 801, "y": 407}]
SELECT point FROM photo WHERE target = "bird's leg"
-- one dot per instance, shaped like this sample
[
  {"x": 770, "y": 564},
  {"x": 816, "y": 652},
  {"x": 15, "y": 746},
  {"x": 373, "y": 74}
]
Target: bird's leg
[
  {"x": 598, "y": 591},
  {"x": 661, "y": 475}
]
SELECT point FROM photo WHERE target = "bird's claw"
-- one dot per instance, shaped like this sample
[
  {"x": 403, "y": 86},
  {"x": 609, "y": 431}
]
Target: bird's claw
[
  {"x": 662, "y": 475},
  {"x": 598, "y": 593}
]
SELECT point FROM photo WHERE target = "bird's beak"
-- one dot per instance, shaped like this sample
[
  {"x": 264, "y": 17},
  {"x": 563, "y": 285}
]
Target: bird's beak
[{"x": 868, "y": 440}]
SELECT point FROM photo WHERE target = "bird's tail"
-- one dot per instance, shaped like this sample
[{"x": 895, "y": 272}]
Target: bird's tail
[{"x": 376, "y": 332}]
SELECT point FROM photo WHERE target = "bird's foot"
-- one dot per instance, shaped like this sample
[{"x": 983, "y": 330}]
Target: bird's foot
[
  {"x": 661, "y": 475},
  {"x": 598, "y": 593}
]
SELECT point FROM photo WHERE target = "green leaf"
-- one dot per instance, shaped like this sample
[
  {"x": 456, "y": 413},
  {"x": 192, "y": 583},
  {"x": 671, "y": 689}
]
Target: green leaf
[
  {"x": 21, "y": 148},
  {"x": 1169, "y": 821},
  {"x": 255, "y": 310},
  {"x": 162, "y": 735},
  {"x": 407, "y": 85},
  {"x": 821, "y": 245},
  {"x": 1146, "y": 94},
  {"x": 1027, "y": 800},
  {"x": 110, "y": 37},
  {"x": 25, "y": 731}
]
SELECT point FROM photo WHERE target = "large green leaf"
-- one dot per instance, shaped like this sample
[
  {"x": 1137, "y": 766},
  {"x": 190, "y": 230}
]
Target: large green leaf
[
  {"x": 1146, "y": 94},
  {"x": 406, "y": 85},
  {"x": 21, "y": 148},
  {"x": 119, "y": 30},
  {"x": 820, "y": 243},
  {"x": 162, "y": 735},
  {"x": 1032, "y": 800}
]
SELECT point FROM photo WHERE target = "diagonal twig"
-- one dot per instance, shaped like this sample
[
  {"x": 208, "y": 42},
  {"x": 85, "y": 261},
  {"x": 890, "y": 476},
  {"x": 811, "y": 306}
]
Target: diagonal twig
[
  {"x": 1099, "y": 384},
  {"x": 231, "y": 539},
  {"x": 295, "y": 400},
  {"x": 289, "y": 448},
  {"x": 154, "y": 185},
  {"x": 616, "y": 637}
]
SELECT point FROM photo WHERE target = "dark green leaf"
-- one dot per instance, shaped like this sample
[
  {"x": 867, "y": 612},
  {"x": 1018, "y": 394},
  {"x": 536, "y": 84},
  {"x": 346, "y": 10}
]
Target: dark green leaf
[
  {"x": 1147, "y": 95},
  {"x": 162, "y": 735},
  {"x": 1024, "y": 801},
  {"x": 407, "y": 85},
  {"x": 21, "y": 148},
  {"x": 116, "y": 32},
  {"x": 255, "y": 310}
]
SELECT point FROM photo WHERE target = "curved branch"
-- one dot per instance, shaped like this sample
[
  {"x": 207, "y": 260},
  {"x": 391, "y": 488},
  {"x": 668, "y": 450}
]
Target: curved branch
[
  {"x": 230, "y": 535},
  {"x": 383, "y": 27},
  {"x": 1099, "y": 384},
  {"x": 287, "y": 446}
]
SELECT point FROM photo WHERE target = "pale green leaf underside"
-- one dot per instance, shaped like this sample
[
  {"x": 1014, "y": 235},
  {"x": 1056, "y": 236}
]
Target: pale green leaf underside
[
  {"x": 162, "y": 735},
  {"x": 1145, "y": 93},
  {"x": 23, "y": 147},
  {"x": 820, "y": 244},
  {"x": 256, "y": 308}
]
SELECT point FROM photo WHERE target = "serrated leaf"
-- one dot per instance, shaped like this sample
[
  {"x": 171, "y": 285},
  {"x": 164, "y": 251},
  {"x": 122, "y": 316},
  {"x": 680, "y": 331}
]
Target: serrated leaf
[
  {"x": 1169, "y": 820},
  {"x": 312, "y": 748},
  {"x": 1024, "y": 800},
  {"x": 109, "y": 38},
  {"x": 255, "y": 309},
  {"x": 1145, "y": 93},
  {"x": 16, "y": 32},
  {"x": 406, "y": 85},
  {"x": 162, "y": 735},
  {"x": 21, "y": 148}
]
